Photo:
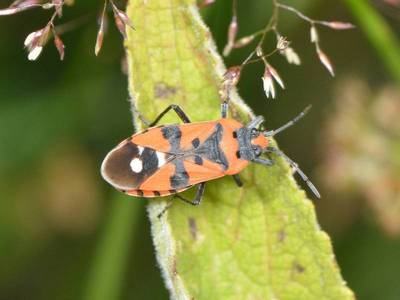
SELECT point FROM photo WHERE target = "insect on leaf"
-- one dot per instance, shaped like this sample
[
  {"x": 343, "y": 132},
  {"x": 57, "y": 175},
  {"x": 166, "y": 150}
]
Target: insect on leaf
[{"x": 261, "y": 241}]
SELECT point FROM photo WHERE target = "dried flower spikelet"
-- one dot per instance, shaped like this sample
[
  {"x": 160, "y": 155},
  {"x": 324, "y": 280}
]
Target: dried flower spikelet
[
  {"x": 244, "y": 41},
  {"x": 22, "y": 3},
  {"x": 325, "y": 61},
  {"x": 48, "y": 5},
  {"x": 206, "y": 3},
  {"x": 229, "y": 80},
  {"x": 275, "y": 75},
  {"x": 339, "y": 25},
  {"x": 232, "y": 31},
  {"x": 99, "y": 42},
  {"x": 268, "y": 84},
  {"x": 232, "y": 76},
  {"x": 122, "y": 16},
  {"x": 101, "y": 31},
  {"x": 18, "y": 6},
  {"x": 282, "y": 43},
  {"x": 35, "y": 41},
  {"x": 291, "y": 56},
  {"x": 120, "y": 25},
  {"x": 58, "y": 6},
  {"x": 259, "y": 52},
  {"x": 60, "y": 46},
  {"x": 313, "y": 34}
]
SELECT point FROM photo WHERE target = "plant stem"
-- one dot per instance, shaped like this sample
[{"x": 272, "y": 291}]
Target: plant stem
[
  {"x": 110, "y": 260},
  {"x": 379, "y": 34}
]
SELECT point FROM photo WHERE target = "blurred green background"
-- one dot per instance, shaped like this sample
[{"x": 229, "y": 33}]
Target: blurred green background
[{"x": 61, "y": 225}]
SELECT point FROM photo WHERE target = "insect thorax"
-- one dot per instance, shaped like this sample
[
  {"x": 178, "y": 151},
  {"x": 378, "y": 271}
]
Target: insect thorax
[{"x": 244, "y": 137}]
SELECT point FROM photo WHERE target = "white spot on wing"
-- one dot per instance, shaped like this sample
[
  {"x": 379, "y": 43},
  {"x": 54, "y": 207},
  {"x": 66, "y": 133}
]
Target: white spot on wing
[
  {"x": 136, "y": 165},
  {"x": 140, "y": 150},
  {"x": 161, "y": 159}
]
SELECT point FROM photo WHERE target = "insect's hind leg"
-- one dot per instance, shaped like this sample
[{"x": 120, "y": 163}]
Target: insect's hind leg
[
  {"x": 181, "y": 114},
  {"x": 237, "y": 179},
  {"x": 141, "y": 117},
  {"x": 197, "y": 199},
  {"x": 224, "y": 109}
]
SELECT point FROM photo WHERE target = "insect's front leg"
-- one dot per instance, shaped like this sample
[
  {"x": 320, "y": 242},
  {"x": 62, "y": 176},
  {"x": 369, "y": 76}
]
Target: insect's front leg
[{"x": 179, "y": 111}]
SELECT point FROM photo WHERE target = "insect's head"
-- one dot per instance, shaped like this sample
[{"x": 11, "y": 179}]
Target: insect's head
[{"x": 255, "y": 141}]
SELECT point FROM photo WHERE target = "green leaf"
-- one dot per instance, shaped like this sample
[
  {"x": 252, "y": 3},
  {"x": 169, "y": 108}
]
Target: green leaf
[{"x": 261, "y": 241}]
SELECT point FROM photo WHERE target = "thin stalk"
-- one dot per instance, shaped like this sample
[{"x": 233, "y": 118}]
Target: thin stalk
[{"x": 110, "y": 260}]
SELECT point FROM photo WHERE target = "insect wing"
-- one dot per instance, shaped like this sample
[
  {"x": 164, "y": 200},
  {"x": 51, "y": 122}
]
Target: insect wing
[
  {"x": 173, "y": 137},
  {"x": 180, "y": 174},
  {"x": 204, "y": 172},
  {"x": 128, "y": 165}
]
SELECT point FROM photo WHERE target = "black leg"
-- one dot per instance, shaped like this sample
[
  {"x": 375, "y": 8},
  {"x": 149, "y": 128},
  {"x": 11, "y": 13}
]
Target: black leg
[
  {"x": 237, "y": 179},
  {"x": 181, "y": 114},
  {"x": 165, "y": 208},
  {"x": 224, "y": 109},
  {"x": 263, "y": 161},
  {"x": 141, "y": 117},
  {"x": 296, "y": 168},
  {"x": 197, "y": 199}
]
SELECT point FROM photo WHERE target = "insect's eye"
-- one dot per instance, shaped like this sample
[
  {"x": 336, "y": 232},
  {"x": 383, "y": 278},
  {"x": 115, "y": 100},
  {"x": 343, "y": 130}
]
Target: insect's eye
[
  {"x": 257, "y": 150},
  {"x": 254, "y": 132}
]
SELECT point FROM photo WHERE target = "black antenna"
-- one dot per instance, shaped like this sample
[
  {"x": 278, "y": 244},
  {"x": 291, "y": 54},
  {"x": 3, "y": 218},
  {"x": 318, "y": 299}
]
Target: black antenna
[
  {"x": 288, "y": 124},
  {"x": 296, "y": 168}
]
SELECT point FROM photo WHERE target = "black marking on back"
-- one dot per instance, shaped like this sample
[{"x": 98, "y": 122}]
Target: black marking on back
[
  {"x": 156, "y": 193},
  {"x": 234, "y": 134},
  {"x": 196, "y": 143},
  {"x": 180, "y": 179},
  {"x": 198, "y": 160},
  {"x": 140, "y": 193},
  {"x": 238, "y": 154},
  {"x": 149, "y": 160},
  {"x": 173, "y": 134},
  {"x": 211, "y": 150}
]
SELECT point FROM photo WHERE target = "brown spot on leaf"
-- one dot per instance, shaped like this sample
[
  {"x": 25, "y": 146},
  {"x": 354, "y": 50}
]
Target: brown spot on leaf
[
  {"x": 173, "y": 268},
  {"x": 163, "y": 90},
  {"x": 298, "y": 268},
  {"x": 281, "y": 235},
  {"x": 193, "y": 228}
]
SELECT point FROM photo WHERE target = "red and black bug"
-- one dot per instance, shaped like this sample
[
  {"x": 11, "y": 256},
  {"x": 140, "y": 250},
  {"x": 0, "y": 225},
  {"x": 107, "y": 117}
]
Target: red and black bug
[{"x": 169, "y": 159}]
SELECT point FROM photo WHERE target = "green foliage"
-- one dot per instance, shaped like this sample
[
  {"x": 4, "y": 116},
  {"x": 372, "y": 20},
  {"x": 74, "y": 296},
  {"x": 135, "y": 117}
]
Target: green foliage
[
  {"x": 258, "y": 242},
  {"x": 379, "y": 34},
  {"x": 107, "y": 273}
]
